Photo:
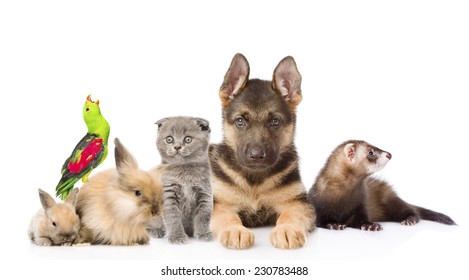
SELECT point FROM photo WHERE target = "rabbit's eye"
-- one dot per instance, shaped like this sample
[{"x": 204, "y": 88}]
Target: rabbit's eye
[
  {"x": 138, "y": 193},
  {"x": 54, "y": 224}
]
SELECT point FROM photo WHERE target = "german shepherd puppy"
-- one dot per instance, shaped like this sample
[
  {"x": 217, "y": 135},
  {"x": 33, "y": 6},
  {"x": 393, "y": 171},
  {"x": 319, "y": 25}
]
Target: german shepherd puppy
[{"x": 254, "y": 171}]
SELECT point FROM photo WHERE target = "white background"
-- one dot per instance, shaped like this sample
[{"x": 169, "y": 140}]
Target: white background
[{"x": 394, "y": 73}]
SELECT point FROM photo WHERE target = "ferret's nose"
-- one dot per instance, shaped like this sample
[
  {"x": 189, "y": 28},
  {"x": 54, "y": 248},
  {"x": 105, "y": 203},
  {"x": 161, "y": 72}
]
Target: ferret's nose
[{"x": 388, "y": 155}]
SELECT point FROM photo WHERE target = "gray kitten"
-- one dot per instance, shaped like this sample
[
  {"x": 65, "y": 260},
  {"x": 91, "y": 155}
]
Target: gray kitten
[{"x": 188, "y": 201}]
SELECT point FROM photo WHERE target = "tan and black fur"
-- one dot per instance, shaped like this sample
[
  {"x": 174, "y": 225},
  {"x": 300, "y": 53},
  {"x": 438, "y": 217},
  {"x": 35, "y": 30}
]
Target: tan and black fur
[
  {"x": 344, "y": 194},
  {"x": 255, "y": 175}
]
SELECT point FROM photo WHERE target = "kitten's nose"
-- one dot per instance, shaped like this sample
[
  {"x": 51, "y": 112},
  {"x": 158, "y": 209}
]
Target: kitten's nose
[{"x": 177, "y": 147}]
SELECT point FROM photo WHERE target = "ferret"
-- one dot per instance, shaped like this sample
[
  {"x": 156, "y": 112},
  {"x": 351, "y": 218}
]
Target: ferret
[{"x": 345, "y": 194}]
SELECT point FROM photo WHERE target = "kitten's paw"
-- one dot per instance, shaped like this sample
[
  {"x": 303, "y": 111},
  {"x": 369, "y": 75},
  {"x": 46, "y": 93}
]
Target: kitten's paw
[
  {"x": 178, "y": 239},
  {"x": 288, "y": 236},
  {"x": 237, "y": 237},
  {"x": 371, "y": 227},
  {"x": 336, "y": 226},
  {"x": 156, "y": 232},
  {"x": 410, "y": 221},
  {"x": 208, "y": 236}
]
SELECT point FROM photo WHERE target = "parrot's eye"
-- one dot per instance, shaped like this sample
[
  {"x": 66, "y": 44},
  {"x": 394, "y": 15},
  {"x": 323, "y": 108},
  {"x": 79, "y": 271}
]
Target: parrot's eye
[
  {"x": 138, "y": 193},
  {"x": 169, "y": 139},
  {"x": 87, "y": 109},
  {"x": 54, "y": 224}
]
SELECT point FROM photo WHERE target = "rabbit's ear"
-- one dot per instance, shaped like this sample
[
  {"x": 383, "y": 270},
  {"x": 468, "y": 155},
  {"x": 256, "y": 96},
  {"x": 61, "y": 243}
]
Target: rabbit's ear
[
  {"x": 46, "y": 200},
  {"x": 123, "y": 157},
  {"x": 72, "y": 197}
]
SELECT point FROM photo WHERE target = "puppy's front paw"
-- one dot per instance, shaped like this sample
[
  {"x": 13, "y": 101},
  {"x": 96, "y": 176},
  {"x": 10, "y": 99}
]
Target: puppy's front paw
[
  {"x": 288, "y": 236},
  {"x": 237, "y": 237}
]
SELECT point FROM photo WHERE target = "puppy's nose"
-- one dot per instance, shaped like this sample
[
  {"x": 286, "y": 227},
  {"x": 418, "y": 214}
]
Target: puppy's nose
[{"x": 256, "y": 153}]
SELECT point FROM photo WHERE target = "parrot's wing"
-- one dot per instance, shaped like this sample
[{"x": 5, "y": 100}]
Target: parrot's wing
[{"x": 86, "y": 156}]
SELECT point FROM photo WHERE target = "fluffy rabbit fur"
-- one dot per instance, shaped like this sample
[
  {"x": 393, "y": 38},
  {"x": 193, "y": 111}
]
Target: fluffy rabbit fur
[
  {"x": 55, "y": 223},
  {"x": 116, "y": 205}
]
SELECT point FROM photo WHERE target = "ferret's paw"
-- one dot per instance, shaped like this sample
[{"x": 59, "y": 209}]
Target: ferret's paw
[
  {"x": 336, "y": 226},
  {"x": 410, "y": 221},
  {"x": 371, "y": 227}
]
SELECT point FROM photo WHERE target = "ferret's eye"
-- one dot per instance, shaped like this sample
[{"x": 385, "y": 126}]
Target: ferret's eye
[
  {"x": 138, "y": 193},
  {"x": 371, "y": 153},
  {"x": 169, "y": 139},
  {"x": 188, "y": 139},
  {"x": 54, "y": 224},
  {"x": 240, "y": 122}
]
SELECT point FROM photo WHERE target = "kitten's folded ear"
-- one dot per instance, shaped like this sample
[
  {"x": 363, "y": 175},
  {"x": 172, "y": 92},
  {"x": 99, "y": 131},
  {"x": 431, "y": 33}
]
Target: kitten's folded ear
[
  {"x": 204, "y": 124},
  {"x": 161, "y": 122}
]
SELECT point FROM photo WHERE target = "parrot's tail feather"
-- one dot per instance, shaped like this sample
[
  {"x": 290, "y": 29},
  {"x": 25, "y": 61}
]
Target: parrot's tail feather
[{"x": 65, "y": 186}]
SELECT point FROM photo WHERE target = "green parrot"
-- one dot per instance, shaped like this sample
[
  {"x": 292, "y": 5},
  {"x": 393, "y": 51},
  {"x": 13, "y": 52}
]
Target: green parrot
[{"x": 90, "y": 152}]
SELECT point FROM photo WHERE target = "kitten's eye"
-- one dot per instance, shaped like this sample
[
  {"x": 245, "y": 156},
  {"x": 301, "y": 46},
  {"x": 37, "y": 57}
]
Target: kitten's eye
[
  {"x": 371, "y": 153},
  {"x": 169, "y": 139},
  {"x": 275, "y": 122},
  {"x": 54, "y": 224},
  {"x": 188, "y": 139},
  {"x": 138, "y": 193},
  {"x": 240, "y": 122}
]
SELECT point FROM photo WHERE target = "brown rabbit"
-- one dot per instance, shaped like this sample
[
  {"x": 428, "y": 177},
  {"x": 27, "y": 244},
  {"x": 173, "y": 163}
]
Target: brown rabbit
[
  {"x": 55, "y": 223},
  {"x": 116, "y": 205}
]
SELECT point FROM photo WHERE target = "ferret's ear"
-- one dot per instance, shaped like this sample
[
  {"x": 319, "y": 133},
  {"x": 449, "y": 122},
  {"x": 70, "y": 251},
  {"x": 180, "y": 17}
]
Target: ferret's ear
[
  {"x": 235, "y": 79},
  {"x": 350, "y": 150}
]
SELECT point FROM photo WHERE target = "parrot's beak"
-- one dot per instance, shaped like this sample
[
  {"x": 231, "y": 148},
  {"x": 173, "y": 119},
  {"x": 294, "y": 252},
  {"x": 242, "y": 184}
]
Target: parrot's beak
[{"x": 88, "y": 98}]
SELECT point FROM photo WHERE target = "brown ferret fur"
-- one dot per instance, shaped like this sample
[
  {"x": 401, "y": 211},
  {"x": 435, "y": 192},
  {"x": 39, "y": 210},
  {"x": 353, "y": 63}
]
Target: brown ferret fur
[{"x": 345, "y": 194}]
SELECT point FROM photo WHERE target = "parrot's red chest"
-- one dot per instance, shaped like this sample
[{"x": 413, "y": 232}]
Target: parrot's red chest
[{"x": 88, "y": 154}]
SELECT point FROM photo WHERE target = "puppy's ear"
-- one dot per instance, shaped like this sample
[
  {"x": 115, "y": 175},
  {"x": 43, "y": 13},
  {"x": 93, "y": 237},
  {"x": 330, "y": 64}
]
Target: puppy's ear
[
  {"x": 235, "y": 79},
  {"x": 123, "y": 157},
  {"x": 350, "y": 150},
  {"x": 287, "y": 81},
  {"x": 46, "y": 200},
  {"x": 203, "y": 124}
]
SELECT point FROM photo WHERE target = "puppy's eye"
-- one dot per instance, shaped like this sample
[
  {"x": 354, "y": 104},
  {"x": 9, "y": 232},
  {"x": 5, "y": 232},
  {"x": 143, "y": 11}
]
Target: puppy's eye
[
  {"x": 371, "y": 153},
  {"x": 54, "y": 224},
  {"x": 275, "y": 122},
  {"x": 188, "y": 139},
  {"x": 138, "y": 193},
  {"x": 240, "y": 122},
  {"x": 169, "y": 139}
]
